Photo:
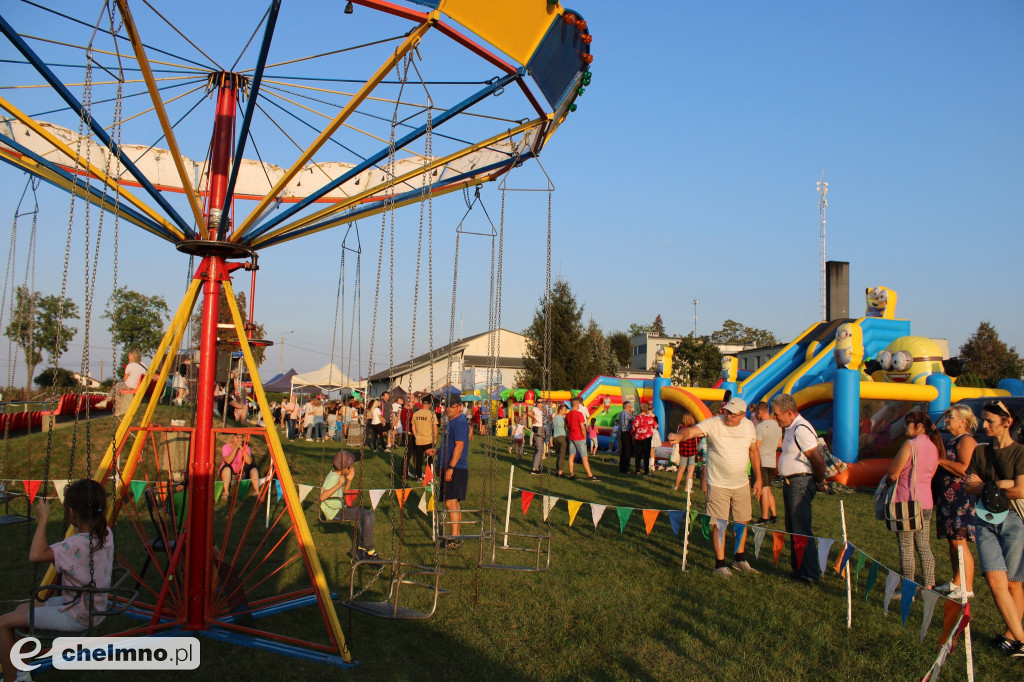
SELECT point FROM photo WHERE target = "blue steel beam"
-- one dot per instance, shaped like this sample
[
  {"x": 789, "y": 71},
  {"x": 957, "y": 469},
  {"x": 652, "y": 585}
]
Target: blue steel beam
[
  {"x": 96, "y": 128},
  {"x": 369, "y": 162},
  {"x": 250, "y": 108}
]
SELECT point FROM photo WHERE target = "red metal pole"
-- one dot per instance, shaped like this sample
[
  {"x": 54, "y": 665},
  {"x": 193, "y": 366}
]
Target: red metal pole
[{"x": 223, "y": 141}]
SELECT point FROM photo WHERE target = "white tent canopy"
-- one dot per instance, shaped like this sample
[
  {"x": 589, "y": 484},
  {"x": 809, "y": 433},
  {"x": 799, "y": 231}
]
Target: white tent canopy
[{"x": 329, "y": 377}]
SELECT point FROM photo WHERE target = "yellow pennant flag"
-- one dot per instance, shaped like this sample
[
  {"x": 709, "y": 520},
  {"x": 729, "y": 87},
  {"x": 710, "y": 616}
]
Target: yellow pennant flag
[
  {"x": 430, "y": 503},
  {"x": 574, "y": 507}
]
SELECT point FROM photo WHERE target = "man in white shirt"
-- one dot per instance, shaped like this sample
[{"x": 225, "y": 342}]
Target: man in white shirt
[
  {"x": 802, "y": 468},
  {"x": 732, "y": 444}
]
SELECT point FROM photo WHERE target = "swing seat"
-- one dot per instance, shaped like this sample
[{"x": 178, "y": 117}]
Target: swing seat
[
  {"x": 401, "y": 574},
  {"x": 9, "y": 518},
  {"x": 444, "y": 523},
  {"x": 121, "y": 595},
  {"x": 538, "y": 546}
]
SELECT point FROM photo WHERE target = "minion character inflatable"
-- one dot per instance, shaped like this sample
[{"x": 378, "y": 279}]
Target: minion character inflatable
[
  {"x": 849, "y": 349},
  {"x": 907, "y": 360},
  {"x": 881, "y": 302},
  {"x": 730, "y": 368}
]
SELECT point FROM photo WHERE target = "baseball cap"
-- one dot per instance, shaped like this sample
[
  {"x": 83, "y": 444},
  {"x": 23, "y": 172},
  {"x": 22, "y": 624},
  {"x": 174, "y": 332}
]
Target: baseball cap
[
  {"x": 993, "y": 505},
  {"x": 453, "y": 400},
  {"x": 345, "y": 459},
  {"x": 736, "y": 406}
]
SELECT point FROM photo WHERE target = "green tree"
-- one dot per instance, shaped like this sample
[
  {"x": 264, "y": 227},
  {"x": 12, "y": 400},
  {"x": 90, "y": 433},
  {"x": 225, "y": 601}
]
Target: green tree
[
  {"x": 987, "y": 356},
  {"x": 57, "y": 377},
  {"x": 638, "y": 329},
  {"x": 696, "y": 361},
  {"x": 136, "y": 321},
  {"x": 733, "y": 332},
  {"x": 570, "y": 368},
  {"x": 597, "y": 350},
  {"x": 37, "y": 326},
  {"x": 658, "y": 327},
  {"x": 257, "y": 331},
  {"x": 618, "y": 341}
]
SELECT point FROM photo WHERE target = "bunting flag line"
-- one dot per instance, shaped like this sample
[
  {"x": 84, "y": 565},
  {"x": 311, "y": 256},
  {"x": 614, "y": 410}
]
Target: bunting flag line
[
  {"x": 351, "y": 497},
  {"x": 892, "y": 581},
  {"x": 280, "y": 490},
  {"x": 824, "y": 545},
  {"x": 402, "y": 494},
  {"x": 548, "y": 503},
  {"x": 720, "y": 525},
  {"x": 422, "y": 506},
  {"x": 845, "y": 559},
  {"x": 375, "y": 496},
  {"x": 675, "y": 518},
  {"x": 758, "y": 539},
  {"x": 138, "y": 487},
  {"x": 179, "y": 503},
  {"x": 597, "y": 511},
  {"x": 738, "y": 535},
  {"x": 624, "y": 513},
  {"x": 799, "y": 547},
  {"x": 705, "y": 526},
  {"x": 428, "y": 476},
  {"x": 928, "y": 599},
  {"x": 218, "y": 487},
  {"x": 574, "y": 508},
  {"x": 951, "y": 619},
  {"x": 60, "y": 484},
  {"x": 778, "y": 542},
  {"x": 304, "y": 491},
  {"x": 650, "y": 516},
  {"x": 430, "y": 502},
  {"x": 862, "y": 559},
  {"x": 527, "y": 499},
  {"x": 909, "y": 589},
  {"x": 31, "y": 488},
  {"x": 243, "y": 487},
  {"x": 872, "y": 579}
]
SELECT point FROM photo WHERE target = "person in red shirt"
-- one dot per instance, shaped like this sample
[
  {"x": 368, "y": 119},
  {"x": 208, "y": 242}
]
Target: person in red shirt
[
  {"x": 643, "y": 430},
  {"x": 576, "y": 425}
]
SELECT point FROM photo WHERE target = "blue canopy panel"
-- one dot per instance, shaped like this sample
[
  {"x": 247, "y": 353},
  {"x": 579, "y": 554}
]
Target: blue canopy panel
[
  {"x": 432, "y": 4},
  {"x": 558, "y": 61}
]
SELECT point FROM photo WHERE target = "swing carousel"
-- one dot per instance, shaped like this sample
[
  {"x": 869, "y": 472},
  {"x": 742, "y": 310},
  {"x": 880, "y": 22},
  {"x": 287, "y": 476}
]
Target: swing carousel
[{"x": 459, "y": 93}]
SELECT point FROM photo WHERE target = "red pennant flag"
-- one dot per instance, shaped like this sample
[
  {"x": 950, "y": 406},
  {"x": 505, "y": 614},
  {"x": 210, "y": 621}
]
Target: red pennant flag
[
  {"x": 350, "y": 497},
  {"x": 31, "y": 488},
  {"x": 650, "y": 516},
  {"x": 402, "y": 494},
  {"x": 840, "y": 569},
  {"x": 949, "y": 619},
  {"x": 527, "y": 499},
  {"x": 428, "y": 477},
  {"x": 799, "y": 545},
  {"x": 778, "y": 542}
]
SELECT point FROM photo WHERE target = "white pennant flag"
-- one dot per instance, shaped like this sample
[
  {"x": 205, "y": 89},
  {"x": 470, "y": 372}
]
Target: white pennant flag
[
  {"x": 303, "y": 491},
  {"x": 375, "y": 496},
  {"x": 720, "y": 525},
  {"x": 928, "y": 598},
  {"x": 549, "y": 504},
  {"x": 264, "y": 480},
  {"x": 422, "y": 506},
  {"x": 892, "y": 581},
  {"x": 824, "y": 545},
  {"x": 598, "y": 511},
  {"x": 60, "y": 484},
  {"x": 758, "y": 539}
]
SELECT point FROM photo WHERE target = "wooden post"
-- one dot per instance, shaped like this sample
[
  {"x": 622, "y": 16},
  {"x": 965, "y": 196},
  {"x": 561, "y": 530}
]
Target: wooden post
[
  {"x": 849, "y": 583},
  {"x": 963, "y": 600},
  {"x": 508, "y": 504},
  {"x": 686, "y": 531}
]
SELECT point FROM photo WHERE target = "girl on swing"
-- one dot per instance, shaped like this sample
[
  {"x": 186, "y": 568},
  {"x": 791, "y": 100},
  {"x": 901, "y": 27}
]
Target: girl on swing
[{"x": 85, "y": 558}]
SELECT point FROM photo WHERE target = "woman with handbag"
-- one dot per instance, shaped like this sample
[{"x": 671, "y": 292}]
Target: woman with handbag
[
  {"x": 954, "y": 508},
  {"x": 911, "y": 471}
]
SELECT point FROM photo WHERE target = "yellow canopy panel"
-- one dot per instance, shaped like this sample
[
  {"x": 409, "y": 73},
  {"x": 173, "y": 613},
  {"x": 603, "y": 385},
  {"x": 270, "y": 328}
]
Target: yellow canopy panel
[{"x": 515, "y": 27}]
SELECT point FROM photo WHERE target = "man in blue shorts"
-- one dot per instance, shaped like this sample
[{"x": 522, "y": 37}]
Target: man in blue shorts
[{"x": 453, "y": 465}]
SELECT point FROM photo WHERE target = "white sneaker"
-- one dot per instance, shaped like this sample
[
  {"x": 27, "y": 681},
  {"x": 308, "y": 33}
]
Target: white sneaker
[
  {"x": 945, "y": 588},
  {"x": 957, "y": 593},
  {"x": 744, "y": 566},
  {"x": 722, "y": 571}
]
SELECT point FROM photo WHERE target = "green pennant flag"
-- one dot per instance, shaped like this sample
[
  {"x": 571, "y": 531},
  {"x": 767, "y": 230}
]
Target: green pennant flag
[
  {"x": 862, "y": 559},
  {"x": 138, "y": 487},
  {"x": 872, "y": 578},
  {"x": 243, "y": 487},
  {"x": 623, "y": 513},
  {"x": 705, "y": 526},
  {"x": 218, "y": 486},
  {"x": 693, "y": 518},
  {"x": 179, "y": 503}
]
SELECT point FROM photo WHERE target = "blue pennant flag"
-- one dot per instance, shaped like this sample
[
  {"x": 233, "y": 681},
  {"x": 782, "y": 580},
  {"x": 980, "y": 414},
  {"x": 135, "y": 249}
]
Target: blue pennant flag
[
  {"x": 737, "y": 531},
  {"x": 907, "y": 596},
  {"x": 675, "y": 518}
]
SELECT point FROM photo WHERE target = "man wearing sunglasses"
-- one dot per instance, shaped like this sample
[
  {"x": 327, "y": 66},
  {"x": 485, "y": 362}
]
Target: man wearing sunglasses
[{"x": 996, "y": 476}]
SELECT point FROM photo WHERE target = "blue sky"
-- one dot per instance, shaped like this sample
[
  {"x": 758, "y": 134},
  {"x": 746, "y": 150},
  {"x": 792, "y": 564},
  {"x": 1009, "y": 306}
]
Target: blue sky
[{"x": 688, "y": 171}]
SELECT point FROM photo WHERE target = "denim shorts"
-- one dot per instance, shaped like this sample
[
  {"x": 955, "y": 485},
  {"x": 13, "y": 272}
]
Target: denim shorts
[
  {"x": 50, "y": 616},
  {"x": 1001, "y": 548},
  {"x": 687, "y": 461}
]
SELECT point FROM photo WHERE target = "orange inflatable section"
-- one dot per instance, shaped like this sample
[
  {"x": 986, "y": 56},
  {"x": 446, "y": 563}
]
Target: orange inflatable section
[{"x": 865, "y": 473}]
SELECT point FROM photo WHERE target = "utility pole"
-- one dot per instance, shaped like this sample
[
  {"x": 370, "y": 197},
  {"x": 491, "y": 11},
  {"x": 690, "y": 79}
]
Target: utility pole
[
  {"x": 281, "y": 366},
  {"x": 695, "y": 318},
  {"x": 822, "y": 205}
]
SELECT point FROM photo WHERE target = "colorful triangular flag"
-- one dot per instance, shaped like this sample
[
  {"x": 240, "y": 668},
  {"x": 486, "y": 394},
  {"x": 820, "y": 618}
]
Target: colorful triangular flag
[
  {"x": 597, "y": 511},
  {"x": 705, "y": 526},
  {"x": 548, "y": 503},
  {"x": 428, "y": 476},
  {"x": 928, "y": 599},
  {"x": 872, "y": 579},
  {"x": 623, "y": 513},
  {"x": 280, "y": 490},
  {"x": 179, "y": 503},
  {"x": 845, "y": 559},
  {"x": 892, "y": 581},
  {"x": 139, "y": 487},
  {"x": 243, "y": 487},
  {"x": 574, "y": 508},
  {"x": 527, "y": 499},
  {"x": 950, "y": 618},
  {"x": 907, "y": 596},
  {"x": 218, "y": 487},
  {"x": 862, "y": 559},
  {"x": 675, "y": 518},
  {"x": 650, "y": 516},
  {"x": 402, "y": 494},
  {"x": 31, "y": 489},
  {"x": 799, "y": 547},
  {"x": 758, "y": 539},
  {"x": 824, "y": 545},
  {"x": 375, "y": 496},
  {"x": 304, "y": 490},
  {"x": 60, "y": 485},
  {"x": 422, "y": 506},
  {"x": 430, "y": 502},
  {"x": 778, "y": 542},
  {"x": 738, "y": 536},
  {"x": 720, "y": 526},
  {"x": 351, "y": 497}
]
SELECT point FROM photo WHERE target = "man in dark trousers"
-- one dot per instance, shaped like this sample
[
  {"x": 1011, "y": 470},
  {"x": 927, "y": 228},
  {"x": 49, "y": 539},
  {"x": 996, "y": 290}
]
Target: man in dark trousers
[
  {"x": 625, "y": 437},
  {"x": 385, "y": 415}
]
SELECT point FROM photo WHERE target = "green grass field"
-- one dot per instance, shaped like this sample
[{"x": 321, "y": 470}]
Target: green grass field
[{"x": 612, "y": 606}]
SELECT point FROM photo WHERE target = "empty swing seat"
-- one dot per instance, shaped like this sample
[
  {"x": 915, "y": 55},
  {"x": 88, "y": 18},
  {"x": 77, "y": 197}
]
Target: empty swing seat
[
  {"x": 9, "y": 518},
  {"x": 401, "y": 574},
  {"x": 539, "y": 546}
]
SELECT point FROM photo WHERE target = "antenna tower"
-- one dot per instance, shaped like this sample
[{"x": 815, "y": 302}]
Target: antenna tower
[{"x": 822, "y": 205}]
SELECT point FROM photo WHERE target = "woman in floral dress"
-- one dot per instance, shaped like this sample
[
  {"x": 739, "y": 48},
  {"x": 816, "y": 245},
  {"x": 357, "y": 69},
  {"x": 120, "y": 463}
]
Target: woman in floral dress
[{"x": 954, "y": 507}]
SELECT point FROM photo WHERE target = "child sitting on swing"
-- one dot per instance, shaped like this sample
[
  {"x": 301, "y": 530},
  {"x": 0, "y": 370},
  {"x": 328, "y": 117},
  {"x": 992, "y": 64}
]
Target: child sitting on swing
[{"x": 83, "y": 559}]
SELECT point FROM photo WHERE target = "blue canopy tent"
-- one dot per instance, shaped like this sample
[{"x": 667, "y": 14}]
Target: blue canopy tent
[{"x": 281, "y": 383}]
